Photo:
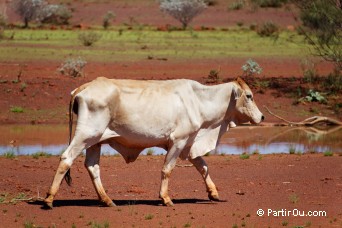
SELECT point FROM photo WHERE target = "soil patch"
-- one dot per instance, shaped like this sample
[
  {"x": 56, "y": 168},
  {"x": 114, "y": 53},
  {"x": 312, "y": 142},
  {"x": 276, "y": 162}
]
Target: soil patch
[{"x": 309, "y": 182}]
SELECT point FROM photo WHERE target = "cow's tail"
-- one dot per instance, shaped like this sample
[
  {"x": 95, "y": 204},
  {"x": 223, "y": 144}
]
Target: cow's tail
[{"x": 72, "y": 109}]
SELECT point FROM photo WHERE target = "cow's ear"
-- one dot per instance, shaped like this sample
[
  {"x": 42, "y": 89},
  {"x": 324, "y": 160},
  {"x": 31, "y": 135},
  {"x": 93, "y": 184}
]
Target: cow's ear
[
  {"x": 242, "y": 83},
  {"x": 237, "y": 92}
]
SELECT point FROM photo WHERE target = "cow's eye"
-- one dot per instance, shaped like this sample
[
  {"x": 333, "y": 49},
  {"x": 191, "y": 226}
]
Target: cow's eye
[{"x": 249, "y": 96}]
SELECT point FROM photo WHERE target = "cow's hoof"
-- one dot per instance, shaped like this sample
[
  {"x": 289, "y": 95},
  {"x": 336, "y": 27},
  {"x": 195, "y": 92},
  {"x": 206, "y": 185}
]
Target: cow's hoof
[
  {"x": 169, "y": 204},
  {"x": 108, "y": 203},
  {"x": 112, "y": 204},
  {"x": 214, "y": 197},
  {"x": 48, "y": 205}
]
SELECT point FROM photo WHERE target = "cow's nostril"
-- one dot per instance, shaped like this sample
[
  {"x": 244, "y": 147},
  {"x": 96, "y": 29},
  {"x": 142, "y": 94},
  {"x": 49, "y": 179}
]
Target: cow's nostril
[{"x": 262, "y": 118}]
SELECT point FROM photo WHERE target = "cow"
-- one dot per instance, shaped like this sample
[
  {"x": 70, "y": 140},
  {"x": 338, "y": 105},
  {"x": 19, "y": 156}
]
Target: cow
[{"x": 184, "y": 117}]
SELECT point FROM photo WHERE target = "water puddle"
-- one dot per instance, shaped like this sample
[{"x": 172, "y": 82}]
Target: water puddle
[{"x": 52, "y": 139}]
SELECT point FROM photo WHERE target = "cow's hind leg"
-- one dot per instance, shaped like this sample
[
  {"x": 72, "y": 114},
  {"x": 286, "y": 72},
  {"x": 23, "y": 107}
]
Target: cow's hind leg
[
  {"x": 67, "y": 158},
  {"x": 92, "y": 164},
  {"x": 202, "y": 168}
]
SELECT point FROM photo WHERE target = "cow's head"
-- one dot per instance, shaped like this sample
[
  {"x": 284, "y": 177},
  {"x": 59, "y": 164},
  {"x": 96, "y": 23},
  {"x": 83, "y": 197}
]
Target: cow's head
[{"x": 246, "y": 110}]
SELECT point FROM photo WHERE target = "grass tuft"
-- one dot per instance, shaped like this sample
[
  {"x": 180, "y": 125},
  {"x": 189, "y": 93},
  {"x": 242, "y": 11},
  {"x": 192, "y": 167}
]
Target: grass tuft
[
  {"x": 9, "y": 155},
  {"x": 149, "y": 217},
  {"x": 17, "y": 109},
  {"x": 328, "y": 154},
  {"x": 244, "y": 156}
]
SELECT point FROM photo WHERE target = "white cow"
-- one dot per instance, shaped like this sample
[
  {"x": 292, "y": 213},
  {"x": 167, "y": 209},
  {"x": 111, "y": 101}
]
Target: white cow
[{"x": 182, "y": 116}]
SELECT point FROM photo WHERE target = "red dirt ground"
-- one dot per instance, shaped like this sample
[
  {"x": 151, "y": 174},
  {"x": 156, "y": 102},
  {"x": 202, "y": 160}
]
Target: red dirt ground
[
  {"x": 308, "y": 182},
  {"x": 46, "y": 96},
  {"x": 244, "y": 185}
]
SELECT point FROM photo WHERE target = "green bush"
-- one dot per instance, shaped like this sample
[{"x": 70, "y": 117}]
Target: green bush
[
  {"x": 315, "y": 96},
  {"x": 55, "y": 14},
  {"x": 183, "y": 11},
  {"x": 108, "y": 17},
  {"x": 73, "y": 67},
  {"x": 268, "y": 29},
  {"x": 251, "y": 67},
  {"x": 269, "y": 3},
  {"x": 322, "y": 28},
  {"x": 89, "y": 38},
  {"x": 237, "y": 5}
]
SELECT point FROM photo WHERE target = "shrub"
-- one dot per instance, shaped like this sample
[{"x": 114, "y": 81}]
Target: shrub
[
  {"x": 309, "y": 71},
  {"x": 28, "y": 10},
  {"x": 314, "y": 96},
  {"x": 183, "y": 10},
  {"x": 73, "y": 67},
  {"x": 107, "y": 18},
  {"x": 269, "y": 3},
  {"x": 237, "y": 5},
  {"x": 3, "y": 19},
  {"x": 251, "y": 67},
  {"x": 268, "y": 29},
  {"x": 55, "y": 14},
  {"x": 89, "y": 38},
  {"x": 210, "y": 2},
  {"x": 322, "y": 28},
  {"x": 213, "y": 76},
  {"x": 333, "y": 83}
]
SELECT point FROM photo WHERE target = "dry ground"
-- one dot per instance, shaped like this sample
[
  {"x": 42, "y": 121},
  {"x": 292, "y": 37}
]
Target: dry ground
[{"x": 308, "y": 182}]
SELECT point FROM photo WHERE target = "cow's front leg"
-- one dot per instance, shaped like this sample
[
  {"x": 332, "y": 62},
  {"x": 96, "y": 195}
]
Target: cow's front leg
[
  {"x": 169, "y": 164},
  {"x": 202, "y": 168},
  {"x": 93, "y": 166}
]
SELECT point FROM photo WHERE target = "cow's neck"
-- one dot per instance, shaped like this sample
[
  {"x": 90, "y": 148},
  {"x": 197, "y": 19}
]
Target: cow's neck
[{"x": 216, "y": 101}]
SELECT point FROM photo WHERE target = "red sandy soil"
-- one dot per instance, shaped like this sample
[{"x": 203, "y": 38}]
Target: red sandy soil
[
  {"x": 309, "y": 182},
  {"x": 147, "y": 12},
  {"x": 244, "y": 185},
  {"x": 46, "y": 96}
]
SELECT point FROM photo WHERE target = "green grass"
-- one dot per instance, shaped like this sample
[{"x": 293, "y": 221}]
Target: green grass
[
  {"x": 292, "y": 150},
  {"x": 150, "y": 152},
  {"x": 29, "y": 224},
  {"x": 41, "y": 154},
  {"x": 17, "y": 109},
  {"x": 9, "y": 155},
  {"x": 328, "y": 153},
  {"x": 176, "y": 45},
  {"x": 94, "y": 224},
  {"x": 244, "y": 156},
  {"x": 293, "y": 198},
  {"x": 3, "y": 197},
  {"x": 149, "y": 217}
]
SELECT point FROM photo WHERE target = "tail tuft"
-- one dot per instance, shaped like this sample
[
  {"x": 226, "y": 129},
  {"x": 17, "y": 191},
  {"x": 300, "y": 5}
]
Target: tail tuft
[{"x": 68, "y": 178}]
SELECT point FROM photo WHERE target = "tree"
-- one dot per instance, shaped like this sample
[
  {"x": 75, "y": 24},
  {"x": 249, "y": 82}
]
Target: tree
[
  {"x": 54, "y": 14},
  {"x": 28, "y": 10},
  {"x": 322, "y": 21},
  {"x": 183, "y": 10}
]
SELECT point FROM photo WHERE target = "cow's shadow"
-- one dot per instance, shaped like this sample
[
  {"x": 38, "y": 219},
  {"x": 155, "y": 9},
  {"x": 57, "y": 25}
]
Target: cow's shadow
[{"x": 97, "y": 203}]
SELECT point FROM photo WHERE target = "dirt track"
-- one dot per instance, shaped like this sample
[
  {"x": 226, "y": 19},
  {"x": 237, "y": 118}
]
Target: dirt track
[{"x": 308, "y": 183}]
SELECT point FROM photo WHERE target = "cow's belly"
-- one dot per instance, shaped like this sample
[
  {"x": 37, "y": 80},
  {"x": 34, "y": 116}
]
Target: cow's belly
[{"x": 135, "y": 138}]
